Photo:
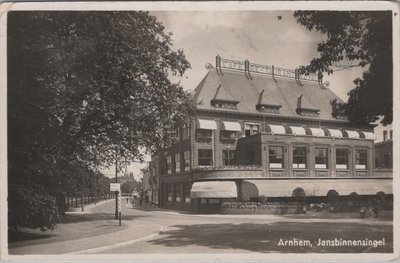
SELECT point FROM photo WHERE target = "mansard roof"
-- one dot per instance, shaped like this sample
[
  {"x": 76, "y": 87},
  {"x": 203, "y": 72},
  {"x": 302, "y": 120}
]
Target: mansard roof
[
  {"x": 246, "y": 87},
  {"x": 265, "y": 100},
  {"x": 222, "y": 94}
]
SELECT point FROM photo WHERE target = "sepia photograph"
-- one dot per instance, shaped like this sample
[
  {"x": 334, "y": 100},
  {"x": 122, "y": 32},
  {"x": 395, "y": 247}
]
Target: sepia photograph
[{"x": 199, "y": 131}]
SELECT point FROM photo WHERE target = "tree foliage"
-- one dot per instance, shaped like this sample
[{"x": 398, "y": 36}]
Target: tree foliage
[
  {"x": 85, "y": 88},
  {"x": 356, "y": 39},
  {"x": 129, "y": 186}
]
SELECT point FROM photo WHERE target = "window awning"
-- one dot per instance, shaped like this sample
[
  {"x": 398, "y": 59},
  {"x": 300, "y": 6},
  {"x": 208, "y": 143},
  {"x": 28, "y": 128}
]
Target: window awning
[
  {"x": 207, "y": 124},
  {"x": 315, "y": 187},
  {"x": 214, "y": 189},
  {"x": 298, "y": 130},
  {"x": 353, "y": 134},
  {"x": 231, "y": 126},
  {"x": 317, "y": 132},
  {"x": 335, "y": 133},
  {"x": 369, "y": 135},
  {"x": 277, "y": 129}
]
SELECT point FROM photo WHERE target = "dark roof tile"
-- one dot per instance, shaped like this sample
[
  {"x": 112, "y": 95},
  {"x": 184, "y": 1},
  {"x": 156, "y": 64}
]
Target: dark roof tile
[{"x": 284, "y": 92}]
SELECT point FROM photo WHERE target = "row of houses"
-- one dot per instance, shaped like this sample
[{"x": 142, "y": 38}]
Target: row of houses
[{"x": 264, "y": 131}]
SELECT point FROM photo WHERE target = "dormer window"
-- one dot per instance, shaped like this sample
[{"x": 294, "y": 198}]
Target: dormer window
[
  {"x": 304, "y": 108},
  {"x": 268, "y": 108},
  {"x": 223, "y": 99},
  {"x": 307, "y": 113},
  {"x": 267, "y": 104},
  {"x": 224, "y": 105}
]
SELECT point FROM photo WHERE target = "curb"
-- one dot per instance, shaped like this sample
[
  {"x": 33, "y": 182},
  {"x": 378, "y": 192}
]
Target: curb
[{"x": 117, "y": 245}]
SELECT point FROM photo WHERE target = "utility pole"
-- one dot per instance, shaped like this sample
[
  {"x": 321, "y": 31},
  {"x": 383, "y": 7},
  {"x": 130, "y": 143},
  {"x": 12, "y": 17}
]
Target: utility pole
[{"x": 116, "y": 181}]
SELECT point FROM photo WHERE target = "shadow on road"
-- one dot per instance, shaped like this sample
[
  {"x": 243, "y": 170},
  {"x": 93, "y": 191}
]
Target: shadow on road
[
  {"x": 14, "y": 236},
  {"x": 71, "y": 226},
  {"x": 77, "y": 218},
  {"x": 265, "y": 237}
]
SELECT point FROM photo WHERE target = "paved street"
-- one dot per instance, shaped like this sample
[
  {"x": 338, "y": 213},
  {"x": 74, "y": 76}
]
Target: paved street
[{"x": 148, "y": 230}]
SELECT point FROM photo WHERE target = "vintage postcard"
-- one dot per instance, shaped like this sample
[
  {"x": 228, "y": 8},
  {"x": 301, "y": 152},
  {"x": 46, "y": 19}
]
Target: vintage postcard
[{"x": 200, "y": 131}]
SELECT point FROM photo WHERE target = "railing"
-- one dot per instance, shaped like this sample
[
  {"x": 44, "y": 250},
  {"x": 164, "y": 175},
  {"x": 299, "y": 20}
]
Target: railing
[
  {"x": 77, "y": 201},
  {"x": 263, "y": 69}
]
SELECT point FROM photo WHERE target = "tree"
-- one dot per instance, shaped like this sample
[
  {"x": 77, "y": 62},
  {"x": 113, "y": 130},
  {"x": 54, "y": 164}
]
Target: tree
[
  {"x": 356, "y": 39},
  {"x": 84, "y": 89},
  {"x": 129, "y": 186}
]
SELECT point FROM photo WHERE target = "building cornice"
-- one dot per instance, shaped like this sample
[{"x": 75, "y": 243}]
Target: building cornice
[{"x": 282, "y": 118}]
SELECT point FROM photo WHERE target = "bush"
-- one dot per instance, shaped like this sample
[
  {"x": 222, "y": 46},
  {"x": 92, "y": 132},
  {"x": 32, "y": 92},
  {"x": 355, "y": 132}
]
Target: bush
[
  {"x": 380, "y": 196},
  {"x": 353, "y": 196},
  {"x": 332, "y": 195},
  {"x": 30, "y": 206},
  {"x": 299, "y": 194},
  {"x": 244, "y": 198},
  {"x": 262, "y": 199}
]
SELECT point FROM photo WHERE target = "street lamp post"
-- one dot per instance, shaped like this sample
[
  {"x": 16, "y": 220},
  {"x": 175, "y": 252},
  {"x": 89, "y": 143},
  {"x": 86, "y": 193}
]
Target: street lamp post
[{"x": 116, "y": 181}]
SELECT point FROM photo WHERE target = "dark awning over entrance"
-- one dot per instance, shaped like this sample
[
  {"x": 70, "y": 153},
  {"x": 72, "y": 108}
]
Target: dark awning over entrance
[{"x": 214, "y": 189}]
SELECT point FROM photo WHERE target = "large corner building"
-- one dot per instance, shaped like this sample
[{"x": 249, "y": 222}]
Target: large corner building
[{"x": 265, "y": 131}]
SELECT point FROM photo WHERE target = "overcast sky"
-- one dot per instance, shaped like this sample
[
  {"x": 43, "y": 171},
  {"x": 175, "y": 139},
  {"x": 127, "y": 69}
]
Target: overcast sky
[{"x": 259, "y": 36}]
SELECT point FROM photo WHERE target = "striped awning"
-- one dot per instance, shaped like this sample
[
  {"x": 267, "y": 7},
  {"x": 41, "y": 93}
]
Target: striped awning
[
  {"x": 353, "y": 134},
  {"x": 207, "y": 124},
  {"x": 231, "y": 126},
  {"x": 315, "y": 187},
  {"x": 214, "y": 189},
  {"x": 277, "y": 129},
  {"x": 317, "y": 132},
  {"x": 298, "y": 130},
  {"x": 335, "y": 133},
  {"x": 369, "y": 135}
]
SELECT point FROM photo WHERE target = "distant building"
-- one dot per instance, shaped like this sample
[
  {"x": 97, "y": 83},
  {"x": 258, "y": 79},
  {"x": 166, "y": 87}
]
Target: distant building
[
  {"x": 146, "y": 184},
  {"x": 384, "y": 147},
  {"x": 264, "y": 131},
  {"x": 154, "y": 179}
]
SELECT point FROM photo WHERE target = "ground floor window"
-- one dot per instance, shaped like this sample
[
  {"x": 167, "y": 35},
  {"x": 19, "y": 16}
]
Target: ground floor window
[
  {"x": 275, "y": 156},
  {"x": 321, "y": 158},
  {"x": 186, "y": 192},
  {"x": 214, "y": 201},
  {"x": 168, "y": 190},
  {"x": 300, "y": 157},
  {"x": 187, "y": 160},
  {"x": 205, "y": 157},
  {"x": 169, "y": 166},
  {"x": 342, "y": 158},
  {"x": 228, "y": 157},
  {"x": 177, "y": 162},
  {"x": 361, "y": 159}
]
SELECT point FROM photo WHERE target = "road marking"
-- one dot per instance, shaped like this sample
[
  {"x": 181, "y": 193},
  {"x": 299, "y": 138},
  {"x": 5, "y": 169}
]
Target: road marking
[{"x": 117, "y": 245}]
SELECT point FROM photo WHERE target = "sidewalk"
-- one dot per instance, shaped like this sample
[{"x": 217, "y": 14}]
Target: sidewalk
[
  {"x": 107, "y": 234},
  {"x": 385, "y": 217}
]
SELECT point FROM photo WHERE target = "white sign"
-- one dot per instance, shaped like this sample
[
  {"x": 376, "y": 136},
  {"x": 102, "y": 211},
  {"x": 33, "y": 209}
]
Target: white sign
[{"x": 115, "y": 187}]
